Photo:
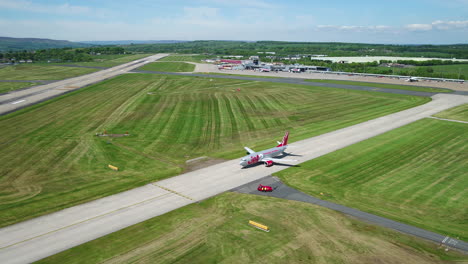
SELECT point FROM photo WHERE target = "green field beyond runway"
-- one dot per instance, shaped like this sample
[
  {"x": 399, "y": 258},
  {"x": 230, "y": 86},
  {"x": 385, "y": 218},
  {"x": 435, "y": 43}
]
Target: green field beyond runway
[
  {"x": 110, "y": 60},
  {"x": 415, "y": 174},
  {"x": 41, "y": 72},
  {"x": 168, "y": 67},
  {"x": 191, "y": 58},
  {"x": 52, "y": 159},
  {"x": 457, "y": 113},
  {"x": 385, "y": 85},
  {"x": 11, "y": 86},
  {"x": 217, "y": 231}
]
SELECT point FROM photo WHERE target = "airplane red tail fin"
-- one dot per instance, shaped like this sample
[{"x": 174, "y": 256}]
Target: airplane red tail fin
[{"x": 285, "y": 140}]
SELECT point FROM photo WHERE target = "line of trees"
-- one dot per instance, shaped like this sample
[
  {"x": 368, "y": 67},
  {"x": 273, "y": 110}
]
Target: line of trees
[
  {"x": 60, "y": 55},
  {"x": 290, "y": 48}
]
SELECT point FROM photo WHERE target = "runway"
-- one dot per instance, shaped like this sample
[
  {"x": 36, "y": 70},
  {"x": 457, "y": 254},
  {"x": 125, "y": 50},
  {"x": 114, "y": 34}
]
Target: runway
[
  {"x": 40, "y": 93},
  {"x": 44, "y": 236}
]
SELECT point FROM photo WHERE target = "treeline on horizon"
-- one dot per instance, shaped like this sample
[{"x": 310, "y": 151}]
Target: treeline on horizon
[
  {"x": 459, "y": 51},
  {"x": 61, "y": 55},
  {"x": 216, "y": 48}
]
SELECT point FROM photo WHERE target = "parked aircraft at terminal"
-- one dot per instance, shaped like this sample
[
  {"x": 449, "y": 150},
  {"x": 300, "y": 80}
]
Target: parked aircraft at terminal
[{"x": 266, "y": 156}]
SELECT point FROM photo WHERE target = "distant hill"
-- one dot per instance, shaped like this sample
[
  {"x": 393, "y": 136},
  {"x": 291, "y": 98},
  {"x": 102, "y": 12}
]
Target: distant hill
[
  {"x": 18, "y": 44},
  {"x": 128, "y": 42}
]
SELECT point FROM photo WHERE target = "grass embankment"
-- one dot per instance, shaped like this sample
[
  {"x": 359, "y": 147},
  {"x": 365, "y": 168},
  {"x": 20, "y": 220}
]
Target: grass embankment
[
  {"x": 415, "y": 174},
  {"x": 190, "y": 58},
  {"x": 216, "y": 231},
  {"x": 457, "y": 113},
  {"x": 51, "y": 158},
  {"x": 11, "y": 86},
  {"x": 41, "y": 72},
  {"x": 457, "y": 70},
  {"x": 168, "y": 67},
  {"x": 461, "y": 69},
  {"x": 387, "y": 86},
  {"x": 111, "y": 60}
]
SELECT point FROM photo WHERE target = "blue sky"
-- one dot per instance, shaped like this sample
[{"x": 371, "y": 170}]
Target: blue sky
[{"x": 384, "y": 21}]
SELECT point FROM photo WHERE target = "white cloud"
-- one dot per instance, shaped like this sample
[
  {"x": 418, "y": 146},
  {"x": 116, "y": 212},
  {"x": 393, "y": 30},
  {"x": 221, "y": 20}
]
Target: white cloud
[
  {"x": 379, "y": 28},
  {"x": 447, "y": 25},
  {"x": 439, "y": 25},
  {"x": 418, "y": 27}
]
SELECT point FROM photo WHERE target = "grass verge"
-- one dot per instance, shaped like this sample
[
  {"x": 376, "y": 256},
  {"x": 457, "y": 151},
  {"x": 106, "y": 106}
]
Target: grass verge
[
  {"x": 111, "y": 60},
  {"x": 387, "y": 86},
  {"x": 216, "y": 231},
  {"x": 457, "y": 113},
  {"x": 190, "y": 58},
  {"x": 415, "y": 174},
  {"x": 168, "y": 67},
  {"x": 12, "y": 86},
  {"x": 41, "y": 72}
]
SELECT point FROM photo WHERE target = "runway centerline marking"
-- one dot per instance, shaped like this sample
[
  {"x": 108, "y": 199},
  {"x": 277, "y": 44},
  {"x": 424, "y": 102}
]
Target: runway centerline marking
[
  {"x": 92, "y": 218},
  {"x": 174, "y": 192},
  {"x": 17, "y": 102}
]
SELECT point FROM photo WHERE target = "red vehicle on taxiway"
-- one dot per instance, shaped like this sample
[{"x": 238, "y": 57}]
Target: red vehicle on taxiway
[{"x": 264, "y": 188}]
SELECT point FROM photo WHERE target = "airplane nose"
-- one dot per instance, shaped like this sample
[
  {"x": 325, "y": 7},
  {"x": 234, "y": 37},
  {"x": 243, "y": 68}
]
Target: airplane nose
[{"x": 242, "y": 163}]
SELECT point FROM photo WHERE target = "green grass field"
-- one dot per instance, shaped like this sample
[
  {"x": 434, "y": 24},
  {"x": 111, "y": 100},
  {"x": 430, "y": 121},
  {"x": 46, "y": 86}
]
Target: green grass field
[
  {"x": 41, "y": 72},
  {"x": 457, "y": 113},
  {"x": 388, "y": 86},
  {"x": 216, "y": 231},
  {"x": 168, "y": 67},
  {"x": 11, "y": 86},
  {"x": 414, "y": 174},
  {"x": 111, "y": 60},
  {"x": 190, "y": 58},
  {"x": 52, "y": 158},
  {"x": 461, "y": 69}
]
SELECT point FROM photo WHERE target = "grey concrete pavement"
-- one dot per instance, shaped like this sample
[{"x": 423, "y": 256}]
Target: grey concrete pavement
[
  {"x": 47, "y": 235},
  {"x": 285, "y": 192},
  {"x": 13, "y": 101}
]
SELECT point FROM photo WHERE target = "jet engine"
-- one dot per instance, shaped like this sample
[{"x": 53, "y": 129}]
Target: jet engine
[{"x": 268, "y": 163}]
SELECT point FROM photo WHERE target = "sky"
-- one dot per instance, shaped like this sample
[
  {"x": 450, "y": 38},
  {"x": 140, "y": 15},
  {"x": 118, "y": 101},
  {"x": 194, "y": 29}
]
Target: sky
[{"x": 364, "y": 21}]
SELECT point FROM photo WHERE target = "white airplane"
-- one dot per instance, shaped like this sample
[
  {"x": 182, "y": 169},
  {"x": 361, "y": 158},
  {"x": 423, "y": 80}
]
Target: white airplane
[
  {"x": 412, "y": 79},
  {"x": 266, "y": 156}
]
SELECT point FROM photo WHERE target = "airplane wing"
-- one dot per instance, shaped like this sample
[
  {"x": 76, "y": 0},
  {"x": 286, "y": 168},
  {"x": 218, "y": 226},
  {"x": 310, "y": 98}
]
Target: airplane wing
[
  {"x": 249, "y": 150},
  {"x": 278, "y": 160}
]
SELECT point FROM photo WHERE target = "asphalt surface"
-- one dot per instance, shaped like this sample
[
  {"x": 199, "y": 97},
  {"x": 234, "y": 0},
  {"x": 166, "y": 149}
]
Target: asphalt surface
[
  {"x": 280, "y": 190},
  {"x": 15, "y": 100},
  {"x": 47, "y": 235}
]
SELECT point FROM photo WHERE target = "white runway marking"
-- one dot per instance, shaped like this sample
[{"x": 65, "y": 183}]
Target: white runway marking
[
  {"x": 451, "y": 120},
  {"x": 17, "y": 102}
]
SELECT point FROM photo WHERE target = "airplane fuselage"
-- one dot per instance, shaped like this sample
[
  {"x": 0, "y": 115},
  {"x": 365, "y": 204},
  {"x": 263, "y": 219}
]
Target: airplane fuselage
[{"x": 258, "y": 156}]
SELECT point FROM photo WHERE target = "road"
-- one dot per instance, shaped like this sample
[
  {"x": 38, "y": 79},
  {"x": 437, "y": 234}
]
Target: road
[
  {"x": 15, "y": 100},
  {"x": 44, "y": 236},
  {"x": 285, "y": 192}
]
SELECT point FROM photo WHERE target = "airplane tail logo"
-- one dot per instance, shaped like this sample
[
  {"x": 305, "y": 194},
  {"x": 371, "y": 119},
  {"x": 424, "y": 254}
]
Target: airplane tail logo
[{"x": 285, "y": 140}]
